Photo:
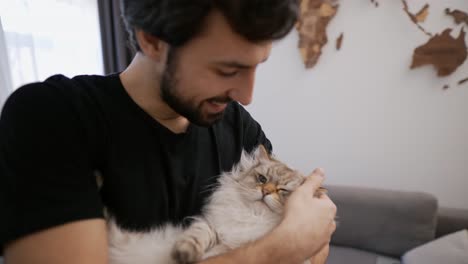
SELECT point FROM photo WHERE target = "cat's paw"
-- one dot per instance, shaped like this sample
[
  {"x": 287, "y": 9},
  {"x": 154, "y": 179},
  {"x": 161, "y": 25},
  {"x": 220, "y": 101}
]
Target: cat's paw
[{"x": 187, "y": 251}]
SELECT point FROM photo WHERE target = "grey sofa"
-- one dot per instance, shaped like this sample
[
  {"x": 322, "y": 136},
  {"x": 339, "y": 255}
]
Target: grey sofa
[{"x": 378, "y": 226}]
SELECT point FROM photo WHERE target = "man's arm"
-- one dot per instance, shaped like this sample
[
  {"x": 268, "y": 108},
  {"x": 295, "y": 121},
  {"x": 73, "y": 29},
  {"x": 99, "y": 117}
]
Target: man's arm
[
  {"x": 304, "y": 231},
  {"x": 77, "y": 242},
  {"x": 47, "y": 185}
]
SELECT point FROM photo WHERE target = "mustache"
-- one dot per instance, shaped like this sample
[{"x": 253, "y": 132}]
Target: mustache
[{"x": 221, "y": 99}]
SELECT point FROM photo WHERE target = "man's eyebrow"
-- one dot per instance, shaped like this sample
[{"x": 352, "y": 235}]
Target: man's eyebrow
[{"x": 236, "y": 64}]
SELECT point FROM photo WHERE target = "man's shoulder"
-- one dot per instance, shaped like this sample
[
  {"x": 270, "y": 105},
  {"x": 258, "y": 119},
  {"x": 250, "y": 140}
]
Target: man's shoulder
[
  {"x": 59, "y": 103},
  {"x": 55, "y": 86},
  {"x": 58, "y": 91},
  {"x": 33, "y": 98},
  {"x": 62, "y": 81},
  {"x": 38, "y": 90}
]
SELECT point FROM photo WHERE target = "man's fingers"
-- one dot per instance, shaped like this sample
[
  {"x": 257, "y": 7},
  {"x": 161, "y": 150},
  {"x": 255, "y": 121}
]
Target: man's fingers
[
  {"x": 318, "y": 172},
  {"x": 320, "y": 192},
  {"x": 321, "y": 256},
  {"x": 314, "y": 181}
]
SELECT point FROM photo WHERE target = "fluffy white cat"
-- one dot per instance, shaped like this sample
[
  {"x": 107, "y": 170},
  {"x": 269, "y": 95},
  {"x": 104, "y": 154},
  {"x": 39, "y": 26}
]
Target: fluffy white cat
[{"x": 247, "y": 204}]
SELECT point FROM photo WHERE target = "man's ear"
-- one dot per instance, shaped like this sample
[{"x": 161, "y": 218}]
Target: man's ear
[{"x": 150, "y": 45}]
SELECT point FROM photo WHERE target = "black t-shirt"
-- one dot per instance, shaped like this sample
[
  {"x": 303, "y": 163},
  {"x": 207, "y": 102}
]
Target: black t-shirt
[{"x": 56, "y": 134}]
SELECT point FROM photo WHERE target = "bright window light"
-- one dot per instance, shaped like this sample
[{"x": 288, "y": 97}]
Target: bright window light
[{"x": 47, "y": 37}]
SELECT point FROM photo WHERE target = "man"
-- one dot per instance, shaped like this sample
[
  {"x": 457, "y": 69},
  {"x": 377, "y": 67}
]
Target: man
[{"x": 158, "y": 133}]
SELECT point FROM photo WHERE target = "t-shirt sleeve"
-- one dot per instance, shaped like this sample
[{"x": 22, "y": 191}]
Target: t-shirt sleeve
[
  {"x": 46, "y": 169},
  {"x": 253, "y": 133},
  {"x": 238, "y": 132}
]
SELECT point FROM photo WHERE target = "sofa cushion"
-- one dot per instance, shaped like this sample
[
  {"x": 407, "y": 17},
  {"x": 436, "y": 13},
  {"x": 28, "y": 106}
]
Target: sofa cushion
[
  {"x": 383, "y": 221},
  {"x": 341, "y": 255},
  {"x": 451, "y": 220},
  {"x": 452, "y": 248}
]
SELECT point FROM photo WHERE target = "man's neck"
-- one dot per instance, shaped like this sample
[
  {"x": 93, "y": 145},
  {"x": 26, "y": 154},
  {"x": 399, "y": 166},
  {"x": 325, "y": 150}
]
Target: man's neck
[{"x": 142, "y": 84}]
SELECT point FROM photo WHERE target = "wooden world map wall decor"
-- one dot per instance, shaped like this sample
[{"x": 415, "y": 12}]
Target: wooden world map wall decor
[
  {"x": 312, "y": 25},
  {"x": 444, "y": 52},
  {"x": 458, "y": 16}
]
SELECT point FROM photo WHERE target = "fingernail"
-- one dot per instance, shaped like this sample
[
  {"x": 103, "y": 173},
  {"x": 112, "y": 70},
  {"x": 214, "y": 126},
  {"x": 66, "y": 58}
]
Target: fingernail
[{"x": 320, "y": 172}]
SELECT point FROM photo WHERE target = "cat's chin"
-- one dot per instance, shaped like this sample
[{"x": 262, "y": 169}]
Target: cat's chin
[
  {"x": 273, "y": 204},
  {"x": 257, "y": 196}
]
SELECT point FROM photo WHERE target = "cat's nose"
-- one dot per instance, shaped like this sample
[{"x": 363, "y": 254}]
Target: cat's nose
[{"x": 268, "y": 189}]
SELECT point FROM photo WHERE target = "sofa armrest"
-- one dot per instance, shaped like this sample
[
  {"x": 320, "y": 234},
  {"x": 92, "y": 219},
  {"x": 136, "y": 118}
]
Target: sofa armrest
[
  {"x": 383, "y": 221},
  {"x": 450, "y": 220}
]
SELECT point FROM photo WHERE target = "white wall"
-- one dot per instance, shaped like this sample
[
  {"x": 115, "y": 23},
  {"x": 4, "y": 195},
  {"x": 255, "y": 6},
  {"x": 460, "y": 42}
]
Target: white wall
[{"x": 361, "y": 113}]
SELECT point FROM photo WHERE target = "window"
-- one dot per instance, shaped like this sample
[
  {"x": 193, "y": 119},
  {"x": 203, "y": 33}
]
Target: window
[{"x": 46, "y": 37}]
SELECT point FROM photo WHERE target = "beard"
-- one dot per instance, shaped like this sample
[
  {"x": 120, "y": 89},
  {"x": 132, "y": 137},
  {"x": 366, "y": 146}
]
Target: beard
[{"x": 184, "y": 107}]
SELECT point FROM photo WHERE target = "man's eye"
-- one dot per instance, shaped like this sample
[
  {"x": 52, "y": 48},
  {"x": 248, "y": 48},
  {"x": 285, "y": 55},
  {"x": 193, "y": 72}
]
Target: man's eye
[
  {"x": 228, "y": 73},
  {"x": 262, "y": 179}
]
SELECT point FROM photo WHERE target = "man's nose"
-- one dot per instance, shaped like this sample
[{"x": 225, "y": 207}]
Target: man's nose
[{"x": 243, "y": 93}]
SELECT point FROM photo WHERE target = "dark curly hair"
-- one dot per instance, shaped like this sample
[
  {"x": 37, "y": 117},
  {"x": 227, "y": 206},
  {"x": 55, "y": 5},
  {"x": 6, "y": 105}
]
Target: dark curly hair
[{"x": 178, "y": 21}]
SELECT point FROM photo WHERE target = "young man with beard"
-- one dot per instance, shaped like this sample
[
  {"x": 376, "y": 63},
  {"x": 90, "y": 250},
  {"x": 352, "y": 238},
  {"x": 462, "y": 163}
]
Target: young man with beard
[{"x": 158, "y": 133}]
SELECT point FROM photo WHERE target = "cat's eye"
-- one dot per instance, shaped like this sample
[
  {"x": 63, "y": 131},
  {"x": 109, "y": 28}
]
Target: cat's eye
[
  {"x": 284, "y": 191},
  {"x": 262, "y": 179}
]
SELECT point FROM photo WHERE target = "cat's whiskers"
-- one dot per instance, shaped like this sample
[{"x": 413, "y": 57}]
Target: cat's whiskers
[
  {"x": 246, "y": 188},
  {"x": 241, "y": 186},
  {"x": 210, "y": 187}
]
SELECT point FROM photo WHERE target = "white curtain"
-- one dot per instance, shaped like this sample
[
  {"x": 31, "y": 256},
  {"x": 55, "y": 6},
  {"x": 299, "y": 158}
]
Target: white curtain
[
  {"x": 47, "y": 37},
  {"x": 5, "y": 75}
]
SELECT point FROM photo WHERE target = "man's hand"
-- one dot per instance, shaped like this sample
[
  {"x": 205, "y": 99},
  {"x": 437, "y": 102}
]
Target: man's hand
[
  {"x": 321, "y": 256},
  {"x": 309, "y": 220}
]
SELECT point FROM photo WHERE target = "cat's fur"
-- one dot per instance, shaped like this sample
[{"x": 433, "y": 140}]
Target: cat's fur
[{"x": 236, "y": 213}]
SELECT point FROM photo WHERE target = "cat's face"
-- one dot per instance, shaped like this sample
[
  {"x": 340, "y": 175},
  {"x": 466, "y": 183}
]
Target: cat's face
[{"x": 263, "y": 178}]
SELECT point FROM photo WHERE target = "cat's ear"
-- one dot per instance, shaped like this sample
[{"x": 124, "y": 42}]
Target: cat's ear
[
  {"x": 262, "y": 153},
  {"x": 246, "y": 161}
]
